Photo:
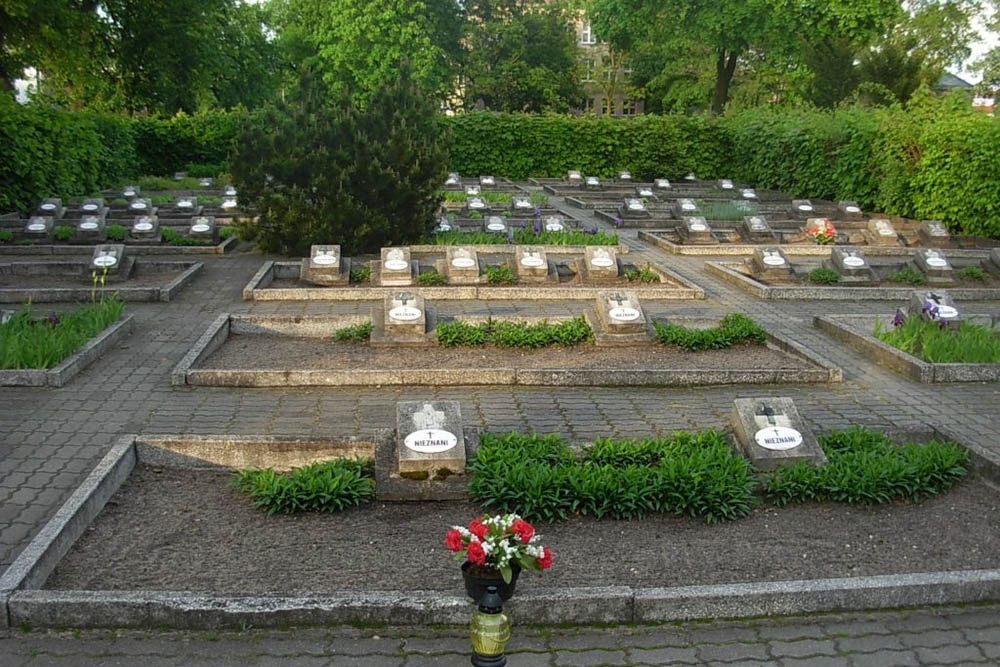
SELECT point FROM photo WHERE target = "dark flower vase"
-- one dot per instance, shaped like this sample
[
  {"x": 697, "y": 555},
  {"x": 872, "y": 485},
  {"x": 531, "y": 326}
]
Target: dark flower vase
[{"x": 477, "y": 578}]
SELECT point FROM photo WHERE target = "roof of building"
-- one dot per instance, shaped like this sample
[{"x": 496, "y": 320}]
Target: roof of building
[{"x": 949, "y": 81}]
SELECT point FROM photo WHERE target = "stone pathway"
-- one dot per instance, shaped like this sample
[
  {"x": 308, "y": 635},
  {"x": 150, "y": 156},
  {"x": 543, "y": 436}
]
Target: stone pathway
[{"x": 51, "y": 438}]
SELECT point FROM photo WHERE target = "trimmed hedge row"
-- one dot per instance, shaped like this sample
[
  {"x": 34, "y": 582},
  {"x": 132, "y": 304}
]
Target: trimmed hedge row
[{"x": 934, "y": 161}]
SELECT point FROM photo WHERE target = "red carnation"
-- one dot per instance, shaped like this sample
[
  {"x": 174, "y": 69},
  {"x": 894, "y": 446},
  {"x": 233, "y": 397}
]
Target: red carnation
[
  {"x": 476, "y": 555},
  {"x": 454, "y": 540},
  {"x": 523, "y": 530},
  {"x": 478, "y": 528},
  {"x": 545, "y": 560}
]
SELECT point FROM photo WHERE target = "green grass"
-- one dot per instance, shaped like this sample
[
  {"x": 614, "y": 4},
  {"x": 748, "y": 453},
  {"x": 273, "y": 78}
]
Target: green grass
[
  {"x": 206, "y": 200},
  {"x": 116, "y": 232},
  {"x": 330, "y": 486},
  {"x": 538, "y": 477},
  {"x": 6, "y": 236},
  {"x": 973, "y": 273},
  {"x": 734, "y": 329},
  {"x": 358, "y": 333},
  {"x": 908, "y": 276},
  {"x": 161, "y": 199},
  {"x": 866, "y": 468},
  {"x": 119, "y": 201},
  {"x": 148, "y": 183},
  {"x": 431, "y": 279},
  {"x": 226, "y": 232},
  {"x": 174, "y": 237},
  {"x": 63, "y": 232},
  {"x": 939, "y": 343},
  {"x": 514, "y": 334},
  {"x": 500, "y": 275},
  {"x": 27, "y": 343},
  {"x": 724, "y": 210},
  {"x": 645, "y": 275},
  {"x": 824, "y": 276}
]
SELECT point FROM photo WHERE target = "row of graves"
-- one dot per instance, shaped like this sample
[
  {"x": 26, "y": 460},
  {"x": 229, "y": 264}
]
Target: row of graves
[
  {"x": 504, "y": 223},
  {"x": 484, "y": 183}
]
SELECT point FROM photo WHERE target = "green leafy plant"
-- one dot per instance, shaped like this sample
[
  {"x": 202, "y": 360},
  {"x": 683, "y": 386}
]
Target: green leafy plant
[
  {"x": 162, "y": 199},
  {"x": 908, "y": 276},
  {"x": 500, "y": 275},
  {"x": 973, "y": 273},
  {"x": 209, "y": 200},
  {"x": 173, "y": 237},
  {"x": 865, "y": 467},
  {"x": 25, "y": 242},
  {"x": 432, "y": 278},
  {"x": 515, "y": 334},
  {"x": 29, "y": 343},
  {"x": 940, "y": 342},
  {"x": 360, "y": 274},
  {"x": 475, "y": 215},
  {"x": 63, "y": 232},
  {"x": 116, "y": 232},
  {"x": 331, "y": 486},
  {"x": 119, "y": 201},
  {"x": 734, "y": 329},
  {"x": 225, "y": 232},
  {"x": 823, "y": 276},
  {"x": 6, "y": 236},
  {"x": 524, "y": 236},
  {"x": 645, "y": 275},
  {"x": 358, "y": 333}
]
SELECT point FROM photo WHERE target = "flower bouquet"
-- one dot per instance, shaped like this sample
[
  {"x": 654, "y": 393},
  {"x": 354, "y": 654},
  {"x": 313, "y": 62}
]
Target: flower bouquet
[{"x": 821, "y": 231}]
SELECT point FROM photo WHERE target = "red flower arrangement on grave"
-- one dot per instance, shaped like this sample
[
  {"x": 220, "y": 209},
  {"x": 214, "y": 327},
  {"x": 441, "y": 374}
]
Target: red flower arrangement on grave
[
  {"x": 821, "y": 231},
  {"x": 499, "y": 542}
]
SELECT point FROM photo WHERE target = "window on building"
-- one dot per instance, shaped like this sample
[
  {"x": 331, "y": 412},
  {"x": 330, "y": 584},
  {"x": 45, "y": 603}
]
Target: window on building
[
  {"x": 629, "y": 108},
  {"x": 587, "y": 34},
  {"x": 589, "y": 69}
]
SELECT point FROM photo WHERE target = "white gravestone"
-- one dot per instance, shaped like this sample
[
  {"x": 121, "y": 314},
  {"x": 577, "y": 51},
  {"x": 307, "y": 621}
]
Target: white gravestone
[
  {"x": 39, "y": 225},
  {"x": 145, "y": 227},
  {"x": 802, "y": 208},
  {"x": 771, "y": 433},
  {"x": 554, "y": 223},
  {"x": 662, "y": 184},
  {"x": 601, "y": 263},
  {"x": 396, "y": 267},
  {"x": 620, "y": 312},
  {"x": 487, "y": 180},
  {"x": 522, "y": 204},
  {"x": 107, "y": 258},
  {"x": 624, "y": 176},
  {"x": 933, "y": 263},
  {"x": 405, "y": 315},
  {"x": 461, "y": 264},
  {"x": 748, "y": 193},
  {"x": 726, "y": 184},
  {"x": 756, "y": 227},
  {"x": 472, "y": 190},
  {"x": 430, "y": 439},
  {"x": 453, "y": 179},
  {"x": 531, "y": 263},
  {"x": 495, "y": 224},
  {"x": 935, "y": 305},
  {"x": 850, "y": 210},
  {"x": 202, "y": 227},
  {"x": 934, "y": 233},
  {"x": 881, "y": 232}
]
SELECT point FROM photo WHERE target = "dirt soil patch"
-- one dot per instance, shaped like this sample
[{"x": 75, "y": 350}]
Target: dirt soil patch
[
  {"x": 8, "y": 281},
  {"x": 270, "y": 352},
  {"x": 171, "y": 529}
]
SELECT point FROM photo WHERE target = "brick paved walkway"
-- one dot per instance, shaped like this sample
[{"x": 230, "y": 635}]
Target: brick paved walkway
[{"x": 51, "y": 438}]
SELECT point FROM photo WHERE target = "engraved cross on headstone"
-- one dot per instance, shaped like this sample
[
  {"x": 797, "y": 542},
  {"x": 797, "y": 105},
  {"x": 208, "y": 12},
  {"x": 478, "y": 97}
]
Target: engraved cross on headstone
[
  {"x": 934, "y": 297},
  {"x": 428, "y": 418},
  {"x": 618, "y": 298},
  {"x": 403, "y": 298},
  {"x": 767, "y": 411}
]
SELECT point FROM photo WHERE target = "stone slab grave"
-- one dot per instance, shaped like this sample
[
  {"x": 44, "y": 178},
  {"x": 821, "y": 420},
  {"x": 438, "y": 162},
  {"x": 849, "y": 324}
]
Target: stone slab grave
[
  {"x": 430, "y": 442},
  {"x": 229, "y": 191},
  {"x": 802, "y": 209},
  {"x": 881, "y": 232},
  {"x": 554, "y": 223},
  {"x": 995, "y": 259},
  {"x": 852, "y": 266},
  {"x": 521, "y": 203},
  {"x": 131, "y": 191},
  {"x": 495, "y": 224},
  {"x": 228, "y": 203},
  {"x": 531, "y": 264},
  {"x": 619, "y": 319},
  {"x": 756, "y": 229},
  {"x": 40, "y": 226},
  {"x": 141, "y": 206},
  {"x": 325, "y": 266},
  {"x": 443, "y": 224},
  {"x": 725, "y": 184},
  {"x": 685, "y": 207},
  {"x": 592, "y": 183},
  {"x": 476, "y": 205},
  {"x": 401, "y": 318},
  {"x": 146, "y": 227},
  {"x": 180, "y": 175},
  {"x": 935, "y": 305},
  {"x": 205, "y": 182},
  {"x": 625, "y": 176},
  {"x": 473, "y": 190},
  {"x": 849, "y": 210},
  {"x": 461, "y": 265},
  {"x": 187, "y": 206},
  {"x": 574, "y": 177},
  {"x": 90, "y": 229},
  {"x": 487, "y": 181},
  {"x": 661, "y": 184},
  {"x": 934, "y": 265},
  {"x": 644, "y": 191},
  {"x": 771, "y": 433},
  {"x": 696, "y": 230},
  {"x": 53, "y": 207},
  {"x": 204, "y": 227},
  {"x": 396, "y": 267},
  {"x": 453, "y": 180},
  {"x": 749, "y": 194},
  {"x": 93, "y": 206},
  {"x": 107, "y": 258},
  {"x": 770, "y": 263},
  {"x": 934, "y": 234},
  {"x": 634, "y": 207},
  {"x": 600, "y": 263}
]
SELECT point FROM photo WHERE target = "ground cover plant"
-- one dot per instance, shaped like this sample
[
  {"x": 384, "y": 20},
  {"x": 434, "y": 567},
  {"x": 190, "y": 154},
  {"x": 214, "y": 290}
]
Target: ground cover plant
[
  {"x": 500, "y": 275},
  {"x": 174, "y": 237},
  {"x": 226, "y": 232},
  {"x": 29, "y": 343},
  {"x": 359, "y": 333},
  {"x": 727, "y": 210},
  {"x": 63, "y": 233},
  {"x": 540, "y": 478},
  {"x": 432, "y": 279},
  {"x": 116, "y": 232},
  {"x": 940, "y": 342},
  {"x": 330, "y": 486},
  {"x": 360, "y": 274},
  {"x": 973, "y": 273},
  {"x": 824, "y": 276},
  {"x": 514, "y": 334},
  {"x": 453, "y": 196},
  {"x": 525, "y": 236},
  {"x": 865, "y": 467},
  {"x": 908, "y": 276},
  {"x": 6, "y": 236},
  {"x": 646, "y": 275},
  {"x": 734, "y": 329}
]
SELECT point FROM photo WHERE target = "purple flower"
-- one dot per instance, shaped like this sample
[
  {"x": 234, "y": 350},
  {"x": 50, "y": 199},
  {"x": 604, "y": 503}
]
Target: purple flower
[
  {"x": 537, "y": 212},
  {"x": 898, "y": 320},
  {"x": 536, "y": 228},
  {"x": 594, "y": 230},
  {"x": 510, "y": 237},
  {"x": 53, "y": 319},
  {"x": 523, "y": 223},
  {"x": 618, "y": 223}
]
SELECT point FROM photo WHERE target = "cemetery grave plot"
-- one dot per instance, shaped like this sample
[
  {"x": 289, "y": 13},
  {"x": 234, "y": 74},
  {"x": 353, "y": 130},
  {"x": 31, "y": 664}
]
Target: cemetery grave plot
[
  {"x": 854, "y": 272},
  {"x": 110, "y": 270},
  {"x": 456, "y": 182},
  {"x": 406, "y": 341},
  {"x": 473, "y": 272},
  {"x": 120, "y": 558},
  {"x": 929, "y": 340}
]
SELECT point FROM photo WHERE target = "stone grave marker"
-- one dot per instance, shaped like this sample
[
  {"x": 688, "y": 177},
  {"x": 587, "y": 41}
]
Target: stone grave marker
[
  {"x": 690, "y": 177},
  {"x": 53, "y": 207},
  {"x": 933, "y": 264},
  {"x": 770, "y": 262},
  {"x": 802, "y": 208},
  {"x": 756, "y": 228},
  {"x": 39, "y": 225},
  {"x": 130, "y": 191},
  {"x": 624, "y": 176},
  {"x": 205, "y": 182},
  {"x": 140, "y": 206},
  {"x": 443, "y": 225},
  {"x": 453, "y": 179},
  {"x": 748, "y": 194},
  {"x": 849, "y": 210},
  {"x": 397, "y": 268},
  {"x": 662, "y": 184},
  {"x": 601, "y": 262},
  {"x": 695, "y": 229},
  {"x": 592, "y": 183},
  {"x": 228, "y": 202},
  {"x": 620, "y": 312},
  {"x": 850, "y": 263},
  {"x": 772, "y": 434},
  {"x": 936, "y": 305},
  {"x": 934, "y": 234},
  {"x": 187, "y": 206},
  {"x": 476, "y": 205},
  {"x": 461, "y": 264},
  {"x": 429, "y": 439},
  {"x": 324, "y": 266},
  {"x": 146, "y": 227},
  {"x": 644, "y": 191},
  {"x": 107, "y": 257},
  {"x": 180, "y": 175},
  {"x": 574, "y": 177},
  {"x": 685, "y": 207},
  {"x": 92, "y": 206},
  {"x": 881, "y": 232},
  {"x": 473, "y": 190},
  {"x": 203, "y": 227},
  {"x": 90, "y": 228},
  {"x": 496, "y": 224},
  {"x": 229, "y": 191},
  {"x": 531, "y": 263},
  {"x": 726, "y": 184},
  {"x": 554, "y": 223},
  {"x": 405, "y": 315},
  {"x": 6, "y": 315},
  {"x": 635, "y": 205},
  {"x": 487, "y": 180},
  {"x": 521, "y": 203}
]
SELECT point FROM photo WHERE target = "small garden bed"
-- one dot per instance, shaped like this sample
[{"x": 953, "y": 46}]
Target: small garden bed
[
  {"x": 524, "y": 236},
  {"x": 68, "y": 280}
]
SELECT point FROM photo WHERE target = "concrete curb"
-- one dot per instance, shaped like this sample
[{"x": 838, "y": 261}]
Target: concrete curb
[
  {"x": 59, "y": 375},
  {"x": 854, "y": 330},
  {"x": 209, "y": 342},
  {"x": 84, "y": 293},
  {"x": 132, "y": 249},
  {"x": 748, "y": 284}
]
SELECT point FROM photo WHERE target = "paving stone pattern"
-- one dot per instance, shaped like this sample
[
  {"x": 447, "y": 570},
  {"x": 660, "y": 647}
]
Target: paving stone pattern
[{"x": 50, "y": 438}]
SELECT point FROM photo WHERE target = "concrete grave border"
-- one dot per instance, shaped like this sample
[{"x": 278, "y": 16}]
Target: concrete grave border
[
  {"x": 134, "y": 294},
  {"x": 186, "y": 371},
  {"x": 131, "y": 248},
  {"x": 75, "y": 363},
  {"x": 257, "y": 289},
  {"x": 807, "y": 291},
  {"x": 25, "y": 602},
  {"x": 855, "y": 330}
]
